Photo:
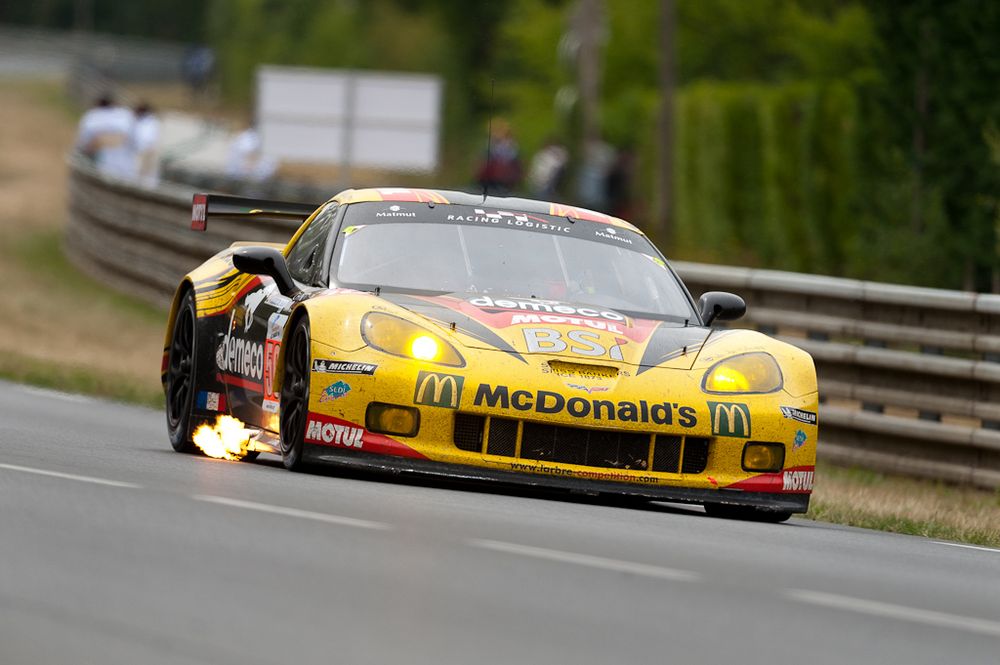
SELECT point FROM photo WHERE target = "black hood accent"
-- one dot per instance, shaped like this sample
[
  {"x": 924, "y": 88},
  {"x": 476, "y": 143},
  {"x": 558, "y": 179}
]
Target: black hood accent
[
  {"x": 669, "y": 341},
  {"x": 445, "y": 316}
]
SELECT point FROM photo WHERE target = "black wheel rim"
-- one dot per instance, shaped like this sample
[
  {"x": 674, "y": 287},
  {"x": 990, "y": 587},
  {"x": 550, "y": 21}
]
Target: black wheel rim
[
  {"x": 179, "y": 379},
  {"x": 295, "y": 389}
]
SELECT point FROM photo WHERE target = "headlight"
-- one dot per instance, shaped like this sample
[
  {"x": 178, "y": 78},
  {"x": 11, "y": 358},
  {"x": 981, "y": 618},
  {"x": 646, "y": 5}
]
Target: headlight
[
  {"x": 748, "y": 373},
  {"x": 393, "y": 335}
]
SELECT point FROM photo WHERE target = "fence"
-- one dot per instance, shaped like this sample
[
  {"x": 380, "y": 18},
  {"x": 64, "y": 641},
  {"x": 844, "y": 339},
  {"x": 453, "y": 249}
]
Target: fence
[{"x": 909, "y": 377}]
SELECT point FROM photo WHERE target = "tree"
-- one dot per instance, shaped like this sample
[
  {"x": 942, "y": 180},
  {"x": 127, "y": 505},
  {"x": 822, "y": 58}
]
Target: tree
[{"x": 939, "y": 66}]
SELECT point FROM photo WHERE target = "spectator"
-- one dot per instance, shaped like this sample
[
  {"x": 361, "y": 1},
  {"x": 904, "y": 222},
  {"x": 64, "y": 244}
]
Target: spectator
[
  {"x": 145, "y": 143},
  {"x": 246, "y": 161},
  {"x": 197, "y": 69},
  {"x": 500, "y": 172},
  {"x": 104, "y": 135},
  {"x": 548, "y": 167},
  {"x": 591, "y": 184},
  {"x": 618, "y": 184}
]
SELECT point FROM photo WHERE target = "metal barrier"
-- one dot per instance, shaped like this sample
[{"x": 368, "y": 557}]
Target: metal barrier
[{"x": 909, "y": 377}]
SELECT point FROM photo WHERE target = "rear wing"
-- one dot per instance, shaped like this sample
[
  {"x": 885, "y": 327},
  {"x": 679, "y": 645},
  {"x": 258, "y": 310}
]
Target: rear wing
[{"x": 218, "y": 206}]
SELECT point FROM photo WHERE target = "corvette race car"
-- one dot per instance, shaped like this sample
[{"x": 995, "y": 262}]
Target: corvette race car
[{"x": 487, "y": 338}]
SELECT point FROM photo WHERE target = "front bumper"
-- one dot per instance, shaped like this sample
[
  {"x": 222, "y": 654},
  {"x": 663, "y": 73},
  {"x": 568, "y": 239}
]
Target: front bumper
[{"x": 770, "y": 501}]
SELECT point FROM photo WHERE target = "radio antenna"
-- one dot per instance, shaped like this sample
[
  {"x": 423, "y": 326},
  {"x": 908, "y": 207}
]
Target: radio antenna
[{"x": 489, "y": 138}]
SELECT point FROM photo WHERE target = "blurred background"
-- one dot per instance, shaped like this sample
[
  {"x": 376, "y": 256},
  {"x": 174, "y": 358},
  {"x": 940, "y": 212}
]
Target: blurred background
[{"x": 842, "y": 137}]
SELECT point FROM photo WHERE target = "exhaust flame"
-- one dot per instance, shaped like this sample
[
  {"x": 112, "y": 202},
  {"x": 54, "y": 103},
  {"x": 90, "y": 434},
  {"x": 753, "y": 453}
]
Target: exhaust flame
[{"x": 226, "y": 439}]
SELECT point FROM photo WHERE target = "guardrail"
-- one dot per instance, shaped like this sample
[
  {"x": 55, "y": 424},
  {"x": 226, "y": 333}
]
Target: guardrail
[{"x": 909, "y": 377}]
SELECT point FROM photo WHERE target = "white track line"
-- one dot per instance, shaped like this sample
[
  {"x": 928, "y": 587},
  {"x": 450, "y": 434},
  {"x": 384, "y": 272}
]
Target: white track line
[
  {"x": 588, "y": 560},
  {"x": 69, "y": 476},
  {"x": 292, "y": 512},
  {"x": 968, "y": 547},
  {"x": 901, "y": 612}
]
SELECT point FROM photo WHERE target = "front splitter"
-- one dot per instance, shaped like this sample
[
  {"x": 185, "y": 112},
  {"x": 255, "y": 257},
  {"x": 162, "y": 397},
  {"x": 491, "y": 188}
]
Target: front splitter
[{"x": 796, "y": 503}]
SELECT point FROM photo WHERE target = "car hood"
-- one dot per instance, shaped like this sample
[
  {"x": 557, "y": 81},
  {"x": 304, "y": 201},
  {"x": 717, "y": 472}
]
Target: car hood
[{"x": 575, "y": 332}]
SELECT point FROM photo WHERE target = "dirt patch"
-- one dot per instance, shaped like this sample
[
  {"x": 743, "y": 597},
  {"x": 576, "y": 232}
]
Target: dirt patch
[{"x": 52, "y": 313}]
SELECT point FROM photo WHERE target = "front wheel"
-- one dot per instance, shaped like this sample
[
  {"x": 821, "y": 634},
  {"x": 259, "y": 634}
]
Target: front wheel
[
  {"x": 295, "y": 397},
  {"x": 748, "y": 513},
  {"x": 180, "y": 387}
]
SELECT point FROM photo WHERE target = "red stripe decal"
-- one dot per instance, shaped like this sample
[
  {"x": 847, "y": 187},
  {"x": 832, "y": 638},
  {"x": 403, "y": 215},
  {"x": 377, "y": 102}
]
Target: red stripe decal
[
  {"x": 796, "y": 480},
  {"x": 240, "y": 382}
]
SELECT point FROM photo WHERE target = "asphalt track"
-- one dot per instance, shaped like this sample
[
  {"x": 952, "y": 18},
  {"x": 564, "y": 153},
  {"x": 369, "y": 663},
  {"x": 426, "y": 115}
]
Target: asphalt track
[{"x": 114, "y": 549}]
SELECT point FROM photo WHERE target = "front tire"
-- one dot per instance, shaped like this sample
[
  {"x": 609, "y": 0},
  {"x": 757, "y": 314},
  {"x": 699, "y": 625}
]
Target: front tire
[
  {"x": 180, "y": 385},
  {"x": 295, "y": 397},
  {"x": 746, "y": 513}
]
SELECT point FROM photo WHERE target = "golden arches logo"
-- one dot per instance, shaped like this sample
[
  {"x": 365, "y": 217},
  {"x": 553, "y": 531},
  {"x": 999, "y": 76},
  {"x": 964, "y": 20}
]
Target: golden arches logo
[
  {"x": 445, "y": 390},
  {"x": 730, "y": 419}
]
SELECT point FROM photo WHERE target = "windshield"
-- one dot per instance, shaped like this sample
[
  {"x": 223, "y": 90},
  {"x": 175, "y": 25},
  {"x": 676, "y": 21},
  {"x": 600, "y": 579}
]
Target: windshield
[{"x": 467, "y": 250}]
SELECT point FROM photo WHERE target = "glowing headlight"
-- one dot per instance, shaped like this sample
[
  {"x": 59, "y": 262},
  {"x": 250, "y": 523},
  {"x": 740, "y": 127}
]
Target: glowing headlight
[
  {"x": 398, "y": 337},
  {"x": 748, "y": 373}
]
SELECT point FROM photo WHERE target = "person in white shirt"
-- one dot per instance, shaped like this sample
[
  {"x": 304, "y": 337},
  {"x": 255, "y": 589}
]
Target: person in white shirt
[
  {"x": 246, "y": 161},
  {"x": 104, "y": 135},
  {"x": 145, "y": 143}
]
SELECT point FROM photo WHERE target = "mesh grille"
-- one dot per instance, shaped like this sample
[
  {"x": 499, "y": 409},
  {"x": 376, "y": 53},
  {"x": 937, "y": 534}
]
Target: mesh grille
[
  {"x": 571, "y": 445},
  {"x": 469, "y": 432},
  {"x": 503, "y": 437},
  {"x": 695, "y": 455},
  {"x": 667, "y": 453}
]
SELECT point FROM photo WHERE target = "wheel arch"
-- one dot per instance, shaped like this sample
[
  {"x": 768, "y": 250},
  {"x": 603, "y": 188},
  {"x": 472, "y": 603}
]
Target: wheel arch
[
  {"x": 298, "y": 313},
  {"x": 175, "y": 304}
]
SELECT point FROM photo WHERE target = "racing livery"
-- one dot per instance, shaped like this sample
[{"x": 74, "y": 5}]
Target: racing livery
[{"x": 487, "y": 338}]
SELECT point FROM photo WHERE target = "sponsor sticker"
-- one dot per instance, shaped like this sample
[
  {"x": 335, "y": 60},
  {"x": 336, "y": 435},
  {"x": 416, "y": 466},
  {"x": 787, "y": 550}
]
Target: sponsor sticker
[
  {"x": 333, "y": 434},
  {"x": 276, "y": 326},
  {"x": 798, "y": 415},
  {"x": 395, "y": 211},
  {"x": 588, "y": 389},
  {"x": 199, "y": 210},
  {"x": 797, "y": 481},
  {"x": 250, "y": 305},
  {"x": 581, "y": 342},
  {"x": 210, "y": 401},
  {"x": 730, "y": 419},
  {"x": 334, "y": 391},
  {"x": 343, "y": 367},
  {"x": 240, "y": 356},
  {"x": 544, "y": 307},
  {"x": 610, "y": 234},
  {"x": 514, "y": 219},
  {"x": 436, "y": 389},
  {"x": 548, "y": 402},
  {"x": 800, "y": 440},
  {"x": 657, "y": 260}
]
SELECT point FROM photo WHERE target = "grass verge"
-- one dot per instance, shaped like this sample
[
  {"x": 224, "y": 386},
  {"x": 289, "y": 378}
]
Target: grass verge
[
  {"x": 873, "y": 500},
  {"x": 84, "y": 380}
]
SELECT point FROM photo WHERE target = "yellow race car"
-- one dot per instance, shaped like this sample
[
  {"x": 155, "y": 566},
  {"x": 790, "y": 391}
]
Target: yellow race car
[{"x": 488, "y": 338}]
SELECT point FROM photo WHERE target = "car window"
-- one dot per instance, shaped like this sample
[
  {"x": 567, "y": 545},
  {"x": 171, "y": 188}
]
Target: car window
[
  {"x": 305, "y": 260},
  {"x": 454, "y": 249}
]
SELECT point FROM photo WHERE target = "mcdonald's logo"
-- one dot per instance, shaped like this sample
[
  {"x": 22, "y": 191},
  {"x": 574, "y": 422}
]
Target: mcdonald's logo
[
  {"x": 435, "y": 389},
  {"x": 730, "y": 419}
]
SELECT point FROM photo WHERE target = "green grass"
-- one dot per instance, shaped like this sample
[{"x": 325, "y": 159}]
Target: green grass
[
  {"x": 87, "y": 381},
  {"x": 41, "y": 254},
  {"x": 932, "y": 509}
]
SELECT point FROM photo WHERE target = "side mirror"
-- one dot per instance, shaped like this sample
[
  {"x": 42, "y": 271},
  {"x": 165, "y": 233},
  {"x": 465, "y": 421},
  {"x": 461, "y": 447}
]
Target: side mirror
[
  {"x": 722, "y": 306},
  {"x": 266, "y": 261}
]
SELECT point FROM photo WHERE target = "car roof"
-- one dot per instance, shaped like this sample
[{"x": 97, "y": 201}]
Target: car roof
[{"x": 452, "y": 197}]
